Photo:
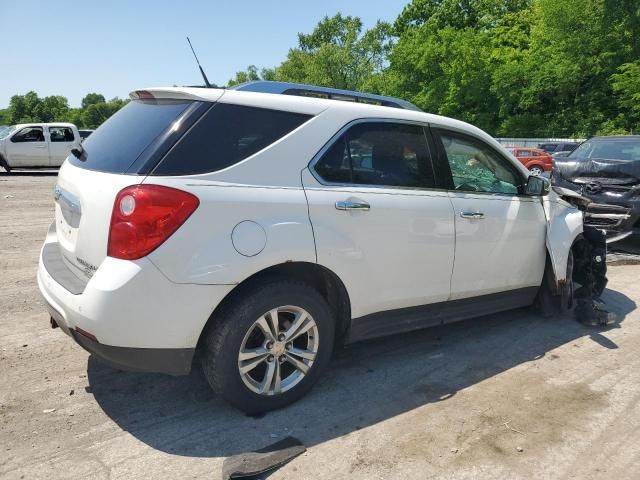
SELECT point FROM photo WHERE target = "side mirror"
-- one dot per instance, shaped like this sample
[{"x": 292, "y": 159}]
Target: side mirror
[{"x": 537, "y": 186}]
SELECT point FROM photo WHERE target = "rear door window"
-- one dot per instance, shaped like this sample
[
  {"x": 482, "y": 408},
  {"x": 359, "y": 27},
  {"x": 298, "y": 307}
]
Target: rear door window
[
  {"x": 379, "y": 153},
  {"x": 61, "y": 134},
  {"x": 226, "y": 135},
  {"x": 119, "y": 141}
]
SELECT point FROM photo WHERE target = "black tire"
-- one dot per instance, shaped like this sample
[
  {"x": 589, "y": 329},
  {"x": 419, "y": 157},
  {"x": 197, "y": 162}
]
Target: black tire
[
  {"x": 552, "y": 301},
  {"x": 229, "y": 325},
  {"x": 4, "y": 164}
]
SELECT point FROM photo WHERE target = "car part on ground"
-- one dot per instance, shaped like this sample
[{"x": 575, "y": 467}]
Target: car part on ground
[
  {"x": 607, "y": 170},
  {"x": 255, "y": 464}
]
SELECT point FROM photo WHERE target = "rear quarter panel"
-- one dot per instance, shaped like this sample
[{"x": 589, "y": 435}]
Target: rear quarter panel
[{"x": 202, "y": 250}]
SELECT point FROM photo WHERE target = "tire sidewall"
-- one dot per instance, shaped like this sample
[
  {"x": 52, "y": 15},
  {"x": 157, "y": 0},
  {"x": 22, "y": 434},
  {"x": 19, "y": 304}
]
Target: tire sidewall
[{"x": 239, "y": 318}]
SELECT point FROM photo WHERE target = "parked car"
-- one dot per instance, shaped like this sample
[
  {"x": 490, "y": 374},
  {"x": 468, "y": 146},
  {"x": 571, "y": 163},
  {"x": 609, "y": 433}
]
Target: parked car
[
  {"x": 606, "y": 170},
  {"x": 31, "y": 145},
  {"x": 259, "y": 229},
  {"x": 535, "y": 160},
  {"x": 85, "y": 133},
  {"x": 553, "y": 147}
]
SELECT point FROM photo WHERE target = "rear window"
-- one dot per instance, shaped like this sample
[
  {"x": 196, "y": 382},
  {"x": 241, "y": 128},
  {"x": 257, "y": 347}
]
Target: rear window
[
  {"x": 119, "y": 141},
  {"x": 226, "y": 135}
]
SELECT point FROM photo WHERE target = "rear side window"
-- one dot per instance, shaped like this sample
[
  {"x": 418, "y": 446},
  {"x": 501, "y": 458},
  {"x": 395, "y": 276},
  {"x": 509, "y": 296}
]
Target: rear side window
[
  {"x": 379, "y": 153},
  {"x": 119, "y": 141},
  {"x": 226, "y": 135},
  {"x": 61, "y": 134}
]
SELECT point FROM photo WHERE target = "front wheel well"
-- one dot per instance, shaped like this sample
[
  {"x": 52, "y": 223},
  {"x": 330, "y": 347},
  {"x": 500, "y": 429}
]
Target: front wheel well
[{"x": 321, "y": 278}]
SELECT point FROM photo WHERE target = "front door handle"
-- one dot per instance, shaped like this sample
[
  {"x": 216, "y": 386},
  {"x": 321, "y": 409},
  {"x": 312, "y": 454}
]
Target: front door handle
[
  {"x": 353, "y": 205},
  {"x": 472, "y": 215}
]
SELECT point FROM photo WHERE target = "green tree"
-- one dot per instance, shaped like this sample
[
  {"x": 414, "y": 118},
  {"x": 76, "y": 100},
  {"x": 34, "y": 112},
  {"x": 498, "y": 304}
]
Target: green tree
[
  {"x": 95, "y": 114},
  {"x": 626, "y": 85},
  {"x": 337, "y": 54},
  {"x": 92, "y": 99},
  {"x": 458, "y": 14},
  {"x": 251, "y": 74}
]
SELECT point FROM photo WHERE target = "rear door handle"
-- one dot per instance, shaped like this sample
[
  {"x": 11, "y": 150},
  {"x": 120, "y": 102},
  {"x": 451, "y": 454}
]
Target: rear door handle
[
  {"x": 353, "y": 205},
  {"x": 472, "y": 215}
]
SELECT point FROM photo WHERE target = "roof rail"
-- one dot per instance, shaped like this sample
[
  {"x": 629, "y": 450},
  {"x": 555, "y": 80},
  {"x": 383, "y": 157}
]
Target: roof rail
[{"x": 299, "y": 89}]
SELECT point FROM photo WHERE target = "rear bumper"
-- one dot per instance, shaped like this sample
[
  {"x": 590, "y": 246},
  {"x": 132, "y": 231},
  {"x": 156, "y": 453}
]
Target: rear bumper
[
  {"x": 172, "y": 361},
  {"x": 140, "y": 319}
]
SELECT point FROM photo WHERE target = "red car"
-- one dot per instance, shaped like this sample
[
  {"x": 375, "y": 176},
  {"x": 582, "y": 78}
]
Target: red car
[{"x": 536, "y": 160}]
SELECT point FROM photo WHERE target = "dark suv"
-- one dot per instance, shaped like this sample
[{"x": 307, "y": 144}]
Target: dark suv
[{"x": 606, "y": 170}]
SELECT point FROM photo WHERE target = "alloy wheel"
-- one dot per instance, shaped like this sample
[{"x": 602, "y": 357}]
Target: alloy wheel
[{"x": 278, "y": 350}]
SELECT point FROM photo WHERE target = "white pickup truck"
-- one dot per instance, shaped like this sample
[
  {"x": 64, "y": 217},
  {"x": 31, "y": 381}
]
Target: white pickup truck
[{"x": 37, "y": 144}]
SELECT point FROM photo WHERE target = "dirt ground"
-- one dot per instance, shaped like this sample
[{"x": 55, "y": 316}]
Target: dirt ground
[{"x": 506, "y": 396}]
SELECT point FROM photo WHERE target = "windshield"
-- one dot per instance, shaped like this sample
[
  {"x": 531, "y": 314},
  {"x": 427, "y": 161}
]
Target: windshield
[
  {"x": 608, "y": 149},
  {"x": 5, "y": 131}
]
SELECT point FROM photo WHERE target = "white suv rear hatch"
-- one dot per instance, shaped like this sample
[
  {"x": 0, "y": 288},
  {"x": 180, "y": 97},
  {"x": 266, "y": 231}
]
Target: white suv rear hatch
[{"x": 113, "y": 158}]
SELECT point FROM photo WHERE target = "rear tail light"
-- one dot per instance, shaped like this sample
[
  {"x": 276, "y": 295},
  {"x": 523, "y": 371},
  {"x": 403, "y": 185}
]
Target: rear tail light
[{"x": 144, "y": 216}]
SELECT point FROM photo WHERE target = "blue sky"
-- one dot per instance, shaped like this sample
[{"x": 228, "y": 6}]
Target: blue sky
[{"x": 71, "y": 48}]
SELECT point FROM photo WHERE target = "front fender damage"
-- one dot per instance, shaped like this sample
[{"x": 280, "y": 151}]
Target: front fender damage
[
  {"x": 564, "y": 214},
  {"x": 566, "y": 232}
]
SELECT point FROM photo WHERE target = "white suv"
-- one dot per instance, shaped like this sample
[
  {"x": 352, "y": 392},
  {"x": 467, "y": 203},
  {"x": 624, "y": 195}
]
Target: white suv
[{"x": 258, "y": 226}]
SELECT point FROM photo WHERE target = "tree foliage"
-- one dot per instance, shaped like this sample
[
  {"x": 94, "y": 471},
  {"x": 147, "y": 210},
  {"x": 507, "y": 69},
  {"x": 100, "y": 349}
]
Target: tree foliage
[
  {"x": 512, "y": 67},
  {"x": 337, "y": 53},
  {"x": 31, "y": 108}
]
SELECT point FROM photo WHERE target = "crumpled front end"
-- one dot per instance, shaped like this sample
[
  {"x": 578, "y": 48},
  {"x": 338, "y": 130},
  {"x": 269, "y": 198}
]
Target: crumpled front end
[{"x": 613, "y": 187}]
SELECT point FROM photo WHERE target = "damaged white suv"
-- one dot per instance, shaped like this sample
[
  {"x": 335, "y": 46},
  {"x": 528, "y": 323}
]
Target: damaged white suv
[{"x": 261, "y": 225}]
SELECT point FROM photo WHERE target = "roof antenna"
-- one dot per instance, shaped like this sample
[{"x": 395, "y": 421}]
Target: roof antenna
[{"x": 206, "y": 80}]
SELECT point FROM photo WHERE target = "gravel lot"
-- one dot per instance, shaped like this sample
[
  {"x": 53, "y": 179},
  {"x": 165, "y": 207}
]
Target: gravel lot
[{"x": 506, "y": 396}]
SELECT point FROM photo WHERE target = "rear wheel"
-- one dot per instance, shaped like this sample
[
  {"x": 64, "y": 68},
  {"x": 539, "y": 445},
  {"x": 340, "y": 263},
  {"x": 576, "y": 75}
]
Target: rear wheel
[{"x": 268, "y": 346}]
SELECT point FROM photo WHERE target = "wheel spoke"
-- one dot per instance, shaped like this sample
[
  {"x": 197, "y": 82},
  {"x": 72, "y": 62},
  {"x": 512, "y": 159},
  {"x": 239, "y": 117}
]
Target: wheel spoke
[
  {"x": 272, "y": 317},
  {"x": 301, "y": 324},
  {"x": 264, "y": 325},
  {"x": 277, "y": 379},
  {"x": 253, "y": 353},
  {"x": 303, "y": 367},
  {"x": 268, "y": 377},
  {"x": 299, "y": 352},
  {"x": 248, "y": 365}
]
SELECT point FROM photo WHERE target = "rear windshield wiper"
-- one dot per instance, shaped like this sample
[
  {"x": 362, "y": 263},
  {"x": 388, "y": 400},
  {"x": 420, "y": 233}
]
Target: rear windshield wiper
[{"x": 79, "y": 152}]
